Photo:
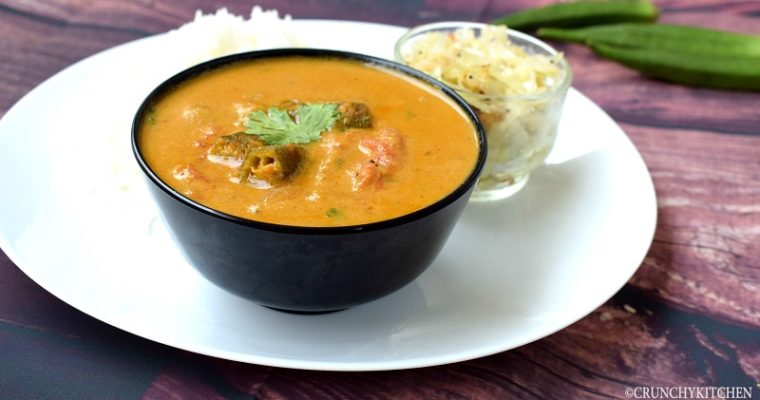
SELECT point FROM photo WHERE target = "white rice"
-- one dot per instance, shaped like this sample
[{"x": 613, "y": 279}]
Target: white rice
[
  {"x": 214, "y": 35},
  {"x": 219, "y": 34}
]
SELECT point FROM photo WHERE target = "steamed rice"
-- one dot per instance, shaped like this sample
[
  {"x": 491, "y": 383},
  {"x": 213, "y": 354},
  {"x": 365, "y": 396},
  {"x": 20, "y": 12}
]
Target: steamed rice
[{"x": 223, "y": 33}]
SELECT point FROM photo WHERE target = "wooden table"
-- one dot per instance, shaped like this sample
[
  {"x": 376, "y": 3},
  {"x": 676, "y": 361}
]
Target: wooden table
[{"x": 689, "y": 317}]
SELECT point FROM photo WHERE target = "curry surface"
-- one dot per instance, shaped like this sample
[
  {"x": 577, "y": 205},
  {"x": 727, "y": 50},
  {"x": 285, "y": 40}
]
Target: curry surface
[{"x": 438, "y": 152}]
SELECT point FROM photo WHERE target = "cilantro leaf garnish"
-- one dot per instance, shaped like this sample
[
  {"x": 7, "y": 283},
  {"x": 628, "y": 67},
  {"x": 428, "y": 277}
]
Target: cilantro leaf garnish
[{"x": 276, "y": 126}]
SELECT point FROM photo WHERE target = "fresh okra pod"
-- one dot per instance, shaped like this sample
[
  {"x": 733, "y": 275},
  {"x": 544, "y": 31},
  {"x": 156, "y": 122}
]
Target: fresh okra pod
[
  {"x": 581, "y": 13},
  {"x": 678, "y": 38},
  {"x": 734, "y": 72}
]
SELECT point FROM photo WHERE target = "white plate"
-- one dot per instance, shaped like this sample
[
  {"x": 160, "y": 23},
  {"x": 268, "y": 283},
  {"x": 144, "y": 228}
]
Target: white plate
[{"x": 511, "y": 273}]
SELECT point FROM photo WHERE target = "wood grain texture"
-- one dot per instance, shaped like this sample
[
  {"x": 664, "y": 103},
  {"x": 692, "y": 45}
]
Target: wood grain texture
[
  {"x": 709, "y": 222},
  {"x": 689, "y": 317}
]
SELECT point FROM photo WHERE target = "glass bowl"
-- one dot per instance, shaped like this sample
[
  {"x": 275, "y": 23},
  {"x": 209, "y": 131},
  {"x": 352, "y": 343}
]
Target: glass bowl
[{"x": 521, "y": 129}]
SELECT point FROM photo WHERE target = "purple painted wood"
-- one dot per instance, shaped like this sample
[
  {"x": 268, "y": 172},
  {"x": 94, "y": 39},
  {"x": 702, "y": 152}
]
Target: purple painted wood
[{"x": 689, "y": 317}]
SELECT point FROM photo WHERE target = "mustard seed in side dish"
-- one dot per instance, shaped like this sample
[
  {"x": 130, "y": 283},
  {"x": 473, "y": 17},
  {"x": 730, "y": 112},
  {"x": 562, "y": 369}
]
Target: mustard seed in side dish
[{"x": 516, "y": 83}]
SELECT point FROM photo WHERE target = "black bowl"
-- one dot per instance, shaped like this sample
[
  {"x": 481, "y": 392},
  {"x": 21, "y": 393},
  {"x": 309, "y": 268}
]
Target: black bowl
[{"x": 308, "y": 269}]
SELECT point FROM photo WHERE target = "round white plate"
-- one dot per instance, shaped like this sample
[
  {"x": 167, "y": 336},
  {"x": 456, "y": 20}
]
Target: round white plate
[{"x": 77, "y": 218}]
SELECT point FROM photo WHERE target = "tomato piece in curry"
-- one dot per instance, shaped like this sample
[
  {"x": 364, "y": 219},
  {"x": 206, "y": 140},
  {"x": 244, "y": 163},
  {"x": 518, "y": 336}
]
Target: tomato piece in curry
[{"x": 393, "y": 146}]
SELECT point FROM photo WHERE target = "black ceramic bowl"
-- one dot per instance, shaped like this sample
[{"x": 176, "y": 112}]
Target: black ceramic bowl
[{"x": 308, "y": 269}]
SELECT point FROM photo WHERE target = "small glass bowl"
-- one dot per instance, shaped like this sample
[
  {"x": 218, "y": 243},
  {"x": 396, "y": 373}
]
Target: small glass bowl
[{"x": 520, "y": 129}]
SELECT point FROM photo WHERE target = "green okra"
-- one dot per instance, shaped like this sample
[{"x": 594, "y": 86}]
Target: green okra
[
  {"x": 670, "y": 37},
  {"x": 235, "y": 146},
  {"x": 723, "y": 72},
  {"x": 270, "y": 163},
  {"x": 581, "y": 13}
]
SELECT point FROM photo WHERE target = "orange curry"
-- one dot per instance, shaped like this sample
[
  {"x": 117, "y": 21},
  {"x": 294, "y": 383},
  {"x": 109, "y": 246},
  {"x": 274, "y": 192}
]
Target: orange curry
[{"x": 309, "y": 142}]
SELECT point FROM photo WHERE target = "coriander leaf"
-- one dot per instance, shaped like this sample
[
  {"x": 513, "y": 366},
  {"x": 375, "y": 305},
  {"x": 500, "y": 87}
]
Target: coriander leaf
[
  {"x": 272, "y": 128},
  {"x": 276, "y": 126}
]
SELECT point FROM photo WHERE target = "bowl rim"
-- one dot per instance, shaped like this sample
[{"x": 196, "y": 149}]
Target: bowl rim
[
  {"x": 563, "y": 85},
  {"x": 219, "y": 62}
]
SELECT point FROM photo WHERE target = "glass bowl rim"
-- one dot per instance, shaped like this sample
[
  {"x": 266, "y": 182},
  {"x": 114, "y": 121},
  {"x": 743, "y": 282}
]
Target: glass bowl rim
[{"x": 453, "y": 25}]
